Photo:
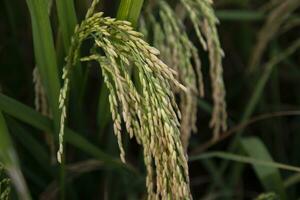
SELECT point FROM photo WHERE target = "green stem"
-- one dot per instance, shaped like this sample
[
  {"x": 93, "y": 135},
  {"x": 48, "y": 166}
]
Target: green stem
[
  {"x": 244, "y": 159},
  {"x": 45, "y": 57},
  {"x": 244, "y": 15},
  {"x": 130, "y": 10},
  {"x": 45, "y": 54}
]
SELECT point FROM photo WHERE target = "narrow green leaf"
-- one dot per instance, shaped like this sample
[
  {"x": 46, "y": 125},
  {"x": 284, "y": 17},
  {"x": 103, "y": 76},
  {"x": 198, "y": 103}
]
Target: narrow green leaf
[
  {"x": 130, "y": 10},
  {"x": 240, "y": 15},
  {"x": 292, "y": 180},
  {"x": 67, "y": 20},
  {"x": 32, "y": 145},
  {"x": 45, "y": 54},
  {"x": 35, "y": 119},
  {"x": 269, "y": 177},
  {"x": 244, "y": 159},
  {"x": 9, "y": 159}
]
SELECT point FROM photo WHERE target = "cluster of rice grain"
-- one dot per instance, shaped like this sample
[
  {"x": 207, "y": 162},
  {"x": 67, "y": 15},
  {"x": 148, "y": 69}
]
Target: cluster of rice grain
[
  {"x": 150, "y": 113},
  {"x": 280, "y": 11},
  {"x": 180, "y": 53}
]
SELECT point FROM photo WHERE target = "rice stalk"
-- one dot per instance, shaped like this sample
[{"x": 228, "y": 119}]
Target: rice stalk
[
  {"x": 130, "y": 10},
  {"x": 179, "y": 52},
  {"x": 45, "y": 53},
  {"x": 40, "y": 101},
  {"x": 35, "y": 119},
  {"x": 149, "y": 114}
]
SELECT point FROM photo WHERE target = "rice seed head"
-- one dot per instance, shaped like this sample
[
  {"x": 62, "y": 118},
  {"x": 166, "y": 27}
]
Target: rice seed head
[
  {"x": 148, "y": 115},
  {"x": 206, "y": 22},
  {"x": 179, "y": 52}
]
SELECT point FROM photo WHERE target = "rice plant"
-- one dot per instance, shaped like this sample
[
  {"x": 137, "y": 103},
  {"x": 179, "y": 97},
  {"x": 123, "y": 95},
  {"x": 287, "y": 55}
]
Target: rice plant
[
  {"x": 180, "y": 52},
  {"x": 151, "y": 119},
  {"x": 99, "y": 99}
]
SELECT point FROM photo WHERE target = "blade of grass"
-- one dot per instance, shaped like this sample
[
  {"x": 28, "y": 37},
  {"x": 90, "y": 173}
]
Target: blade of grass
[
  {"x": 46, "y": 61},
  {"x": 67, "y": 20},
  {"x": 9, "y": 159},
  {"x": 269, "y": 177},
  {"x": 32, "y": 145},
  {"x": 45, "y": 54},
  {"x": 130, "y": 10},
  {"x": 35, "y": 119},
  {"x": 244, "y": 159},
  {"x": 236, "y": 128},
  {"x": 292, "y": 180},
  {"x": 245, "y": 15},
  {"x": 240, "y": 15}
]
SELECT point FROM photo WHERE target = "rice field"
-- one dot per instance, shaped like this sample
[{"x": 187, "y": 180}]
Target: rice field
[{"x": 134, "y": 99}]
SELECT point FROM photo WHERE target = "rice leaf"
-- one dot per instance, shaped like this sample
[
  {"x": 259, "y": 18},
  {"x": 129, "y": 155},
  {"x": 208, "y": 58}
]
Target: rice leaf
[
  {"x": 129, "y": 10},
  {"x": 243, "y": 159},
  {"x": 31, "y": 144},
  {"x": 292, "y": 180},
  {"x": 9, "y": 159},
  {"x": 67, "y": 20},
  {"x": 45, "y": 54},
  {"x": 35, "y": 119},
  {"x": 269, "y": 177}
]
